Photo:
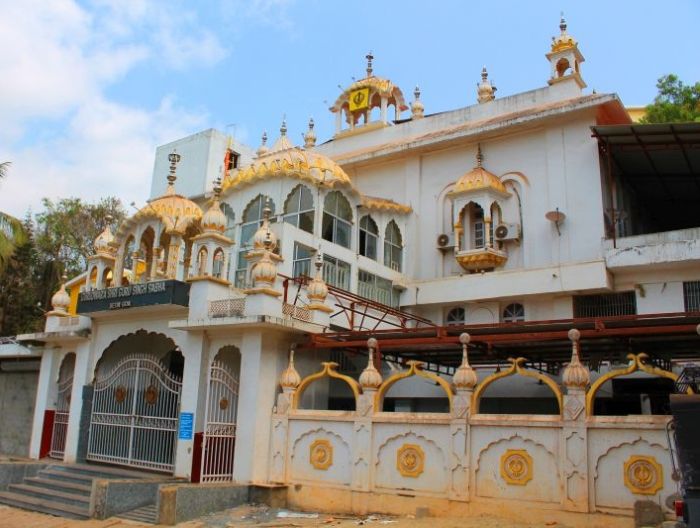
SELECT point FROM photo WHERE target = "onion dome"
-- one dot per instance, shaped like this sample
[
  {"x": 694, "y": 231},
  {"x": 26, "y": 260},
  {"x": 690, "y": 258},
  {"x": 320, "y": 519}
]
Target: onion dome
[
  {"x": 290, "y": 378},
  {"x": 214, "y": 218},
  {"x": 103, "y": 242},
  {"x": 317, "y": 291},
  {"x": 370, "y": 379},
  {"x": 174, "y": 210},
  {"x": 485, "y": 90},
  {"x": 263, "y": 234},
  {"x": 310, "y": 136},
  {"x": 575, "y": 374},
  {"x": 61, "y": 300},
  {"x": 263, "y": 149},
  {"x": 464, "y": 377},
  {"x": 479, "y": 178},
  {"x": 417, "y": 108},
  {"x": 264, "y": 271},
  {"x": 564, "y": 41}
]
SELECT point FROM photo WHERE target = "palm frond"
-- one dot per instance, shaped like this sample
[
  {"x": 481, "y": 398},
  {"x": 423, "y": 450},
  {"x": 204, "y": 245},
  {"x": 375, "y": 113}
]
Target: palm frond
[{"x": 12, "y": 234}]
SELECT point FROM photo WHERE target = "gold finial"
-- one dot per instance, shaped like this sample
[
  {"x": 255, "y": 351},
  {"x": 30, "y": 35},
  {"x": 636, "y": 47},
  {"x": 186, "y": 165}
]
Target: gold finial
[
  {"x": 310, "y": 136},
  {"x": 174, "y": 159},
  {"x": 484, "y": 74},
  {"x": 369, "y": 58},
  {"x": 562, "y": 23},
  {"x": 267, "y": 210},
  {"x": 479, "y": 156},
  {"x": 416, "y": 93},
  {"x": 217, "y": 187},
  {"x": 283, "y": 128}
]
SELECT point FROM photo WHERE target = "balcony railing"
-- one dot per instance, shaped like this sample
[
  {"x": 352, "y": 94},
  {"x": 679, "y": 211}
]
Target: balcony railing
[{"x": 227, "y": 308}]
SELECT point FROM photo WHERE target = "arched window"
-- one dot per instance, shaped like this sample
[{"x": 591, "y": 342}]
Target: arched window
[
  {"x": 218, "y": 263},
  {"x": 337, "y": 219},
  {"x": 299, "y": 209},
  {"x": 393, "y": 246},
  {"x": 513, "y": 313},
  {"x": 369, "y": 234},
  {"x": 202, "y": 262},
  {"x": 456, "y": 316},
  {"x": 252, "y": 219}
]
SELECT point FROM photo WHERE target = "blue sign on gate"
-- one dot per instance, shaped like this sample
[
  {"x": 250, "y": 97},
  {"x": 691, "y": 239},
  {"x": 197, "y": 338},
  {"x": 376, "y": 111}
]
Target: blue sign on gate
[{"x": 186, "y": 423}]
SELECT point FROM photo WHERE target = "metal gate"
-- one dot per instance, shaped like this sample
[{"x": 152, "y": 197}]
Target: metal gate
[
  {"x": 135, "y": 415},
  {"x": 219, "y": 436},
  {"x": 60, "y": 419}
]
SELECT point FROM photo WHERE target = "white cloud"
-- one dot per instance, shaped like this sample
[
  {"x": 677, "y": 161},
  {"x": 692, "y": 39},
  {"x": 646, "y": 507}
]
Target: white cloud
[{"x": 58, "y": 59}]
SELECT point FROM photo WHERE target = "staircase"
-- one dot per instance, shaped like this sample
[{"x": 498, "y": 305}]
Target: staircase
[
  {"x": 145, "y": 515},
  {"x": 62, "y": 490}
]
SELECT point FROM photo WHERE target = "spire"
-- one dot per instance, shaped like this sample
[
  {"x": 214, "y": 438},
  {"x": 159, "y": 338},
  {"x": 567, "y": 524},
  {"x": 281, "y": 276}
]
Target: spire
[
  {"x": 485, "y": 90},
  {"x": 283, "y": 142},
  {"x": 310, "y": 136},
  {"x": 263, "y": 149},
  {"x": 464, "y": 377},
  {"x": 174, "y": 159},
  {"x": 370, "y": 379},
  {"x": 290, "y": 378},
  {"x": 214, "y": 218},
  {"x": 563, "y": 41},
  {"x": 264, "y": 233},
  {"x": 417, "y": 108},
  {"x": 575, "y": 375},
  {"x": 369, "y": 58},
  {"x": 479, "y": 156},
  {"x": 317, "y": 290},
  {"x": 562, "y": 24}
]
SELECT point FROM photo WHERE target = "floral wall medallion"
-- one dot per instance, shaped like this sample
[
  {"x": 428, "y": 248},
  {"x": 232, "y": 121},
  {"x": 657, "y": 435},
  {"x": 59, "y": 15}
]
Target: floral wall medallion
[
  {"x": 643, "y": 475},
  {"x": 410, "y": 460},
  {"x": 321, "y": 454},
  {"x": 516, "y": 467}
]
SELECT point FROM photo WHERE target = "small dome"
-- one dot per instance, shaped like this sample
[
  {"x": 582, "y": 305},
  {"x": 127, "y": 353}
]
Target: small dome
[
  {"x": 290, "y": 378},
  {"x": 104, "y": 240},
  {"x": 214, "y": 219},
  {"x": 464, "y": 377},
  {"x": 264, "y": 271},
  {"x": 310, "y": 136},
  {"x": 575, "y": 374},
  {"x": 61, "y": 300},
  {"x": 485, "y": 90},
  {"x": 263, "y": 235},
  {"x": 263, "y": 148},
  {"x": 564, "y": 41},
  {"x": 479, "y": 178},
  {"x": 317, "y": 291},
  {"x": 370, "y": 378},
  {"x": 417, "y": 108}
]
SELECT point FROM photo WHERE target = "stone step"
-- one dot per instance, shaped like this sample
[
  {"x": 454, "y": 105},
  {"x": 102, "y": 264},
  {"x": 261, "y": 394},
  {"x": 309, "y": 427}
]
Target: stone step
[
  {"x": 145, "y": 514},
  {"x": 99, "y": 471},
  {"x": 74, "y": 499},
  {"x": 65, "y": 476},
  {"x": 36, "y": 504},
  {"x": 62, "y": 485}
]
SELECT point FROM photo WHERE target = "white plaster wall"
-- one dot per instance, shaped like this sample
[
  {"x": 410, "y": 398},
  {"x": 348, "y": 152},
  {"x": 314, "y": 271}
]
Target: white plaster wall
[{"x": 303, "y": 433}]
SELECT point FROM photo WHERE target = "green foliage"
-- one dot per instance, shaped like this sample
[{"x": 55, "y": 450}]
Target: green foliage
[
  {"x": 11, "y": 232},
  {"x": 675, "y": 102}
]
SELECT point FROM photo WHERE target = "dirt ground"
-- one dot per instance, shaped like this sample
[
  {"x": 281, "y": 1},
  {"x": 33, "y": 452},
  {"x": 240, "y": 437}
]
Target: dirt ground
[{"x": 264, "y": 517}]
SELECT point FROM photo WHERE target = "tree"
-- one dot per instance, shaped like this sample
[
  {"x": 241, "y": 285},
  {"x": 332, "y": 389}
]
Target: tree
[
  {"x": 11, "y": 233},
  {"x": 675, "y": 102},
  {"x": 65, "y": 233}
]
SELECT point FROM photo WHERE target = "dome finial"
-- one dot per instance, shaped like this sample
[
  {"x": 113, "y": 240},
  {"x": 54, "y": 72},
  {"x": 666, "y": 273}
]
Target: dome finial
[
  {"x": 562, "y": 24},
  {"x": 464, "y": 377},
  {"x": 485, "y": 89},
  {"x": 263, "y": 149},
  {"x": 575, "y": 375},
  {"x": 283, "y": 127},
  {"x": 310, "y": 135},
  {"x": 370, "y": 379},
  {"x": 369, "y": 58},
  {"x": 290, "y": 378},
  {"x": 174, "y": 159},
  {"x": 417, "y": 108}
]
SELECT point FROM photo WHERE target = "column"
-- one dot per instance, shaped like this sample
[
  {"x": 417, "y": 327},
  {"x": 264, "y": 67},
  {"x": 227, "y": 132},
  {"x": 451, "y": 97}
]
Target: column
[
  {"x": 487, "y": 232},
  {"x": 383, "y": 109},
  {"x": 362, "y": 441},
  {"x": 338, "y": 121},
  {"x": 81, "y": 377},
  {"x": 173, "y": 256},
  {"x": 45, "y": 397}
]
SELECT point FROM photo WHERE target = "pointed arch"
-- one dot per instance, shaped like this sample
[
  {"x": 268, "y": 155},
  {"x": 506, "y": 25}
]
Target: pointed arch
[{"x": 393, "y": 246}]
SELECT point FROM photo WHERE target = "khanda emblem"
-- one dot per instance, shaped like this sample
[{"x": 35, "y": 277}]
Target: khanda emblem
[{"x": 359, "y": 99}]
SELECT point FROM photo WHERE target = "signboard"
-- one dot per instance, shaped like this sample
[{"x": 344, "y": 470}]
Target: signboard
[
  {"x": 133, "y": 295},
  {"x": 186, "y": 423},
  {"x": 359, "y": 99}
]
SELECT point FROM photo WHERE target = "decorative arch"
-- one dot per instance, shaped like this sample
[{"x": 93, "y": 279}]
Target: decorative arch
[
  {"x": 253, "y": 210},
  {"x": 328, "y": 370},
  {"x": 637, "y": 363},
  {"x": 299, "y": 208},
  {"x": 393, "y": 246},
  {"x": 415, "y": 368},
  {"x": 141, "y": 333},
  {"x": 202, "y": 262},
  {"x": 516, "y": 368}
]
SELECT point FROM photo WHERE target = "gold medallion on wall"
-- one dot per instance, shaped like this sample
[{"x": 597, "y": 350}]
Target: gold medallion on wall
[
  {"x": 516, "y": 467},
  {"x": 321, "y": 454},
  {"x": 643, "y": 475},
  {"x": 410, "y": 460}
]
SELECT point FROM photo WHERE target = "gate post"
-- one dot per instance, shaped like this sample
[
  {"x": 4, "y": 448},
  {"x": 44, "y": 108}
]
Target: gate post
[
  {"x": 44, "y": 398},
  {"x": 80, "y": 378}
]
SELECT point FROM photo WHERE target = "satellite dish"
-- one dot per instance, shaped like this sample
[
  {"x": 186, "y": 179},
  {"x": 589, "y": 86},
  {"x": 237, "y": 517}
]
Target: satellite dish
[{"x": 555, "y": 216}]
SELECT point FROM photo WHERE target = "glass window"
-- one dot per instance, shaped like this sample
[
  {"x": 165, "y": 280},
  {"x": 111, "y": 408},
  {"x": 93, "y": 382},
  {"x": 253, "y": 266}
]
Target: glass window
[
  {"x": 301, "y": 266},
  {"x": 456, "y": 316},
  {"x": 337, "y": 219},
  {"x": 369, "y": 234},
  {"x": 299, "y": 209},
  {"x": 252, "y": 220},
  {"x": 513, "y": 313},
  {"x": 377, "y": 289},
  {"x": 230, "y": 219},
  {"x": 202, "y": 262},
  {"x": 393, "y": 247},
  {"x": 336, "y": 272},
  {"x": 218, "y": 264}
]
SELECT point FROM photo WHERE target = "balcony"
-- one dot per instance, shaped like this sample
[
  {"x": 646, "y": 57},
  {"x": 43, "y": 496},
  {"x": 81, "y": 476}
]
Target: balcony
[
  {"x": 667, "y": 249},
  {"x": 485, "y": 258},
  {"x": 158, "y": 293}
]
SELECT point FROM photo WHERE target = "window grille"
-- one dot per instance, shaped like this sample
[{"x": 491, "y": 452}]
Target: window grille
[
  {"x": 456, "y": 316},
  {"x": 691, "y": 296},
  {"x": 605, "y": 304},
  {"x": 512, "y": 313}
]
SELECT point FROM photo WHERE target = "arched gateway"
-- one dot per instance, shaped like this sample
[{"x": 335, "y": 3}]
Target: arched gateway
[{"x": 136, "y": 403}]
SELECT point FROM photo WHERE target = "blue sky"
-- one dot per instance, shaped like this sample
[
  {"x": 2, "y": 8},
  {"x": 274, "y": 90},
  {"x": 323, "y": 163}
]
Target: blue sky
[{"x": 91, "y": 87}]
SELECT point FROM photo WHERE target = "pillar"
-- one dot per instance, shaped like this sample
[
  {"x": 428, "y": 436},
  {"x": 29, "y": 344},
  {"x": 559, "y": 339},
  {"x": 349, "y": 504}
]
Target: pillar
[
  {"x": 487, "y": 232},
  {"x": 82, "y": 376},
  {"x": 459, "y": 435},
  {"x": 173, "y": 256},
  {"x": 45, "y": 397},
  {"x": 383, "y": 109}
]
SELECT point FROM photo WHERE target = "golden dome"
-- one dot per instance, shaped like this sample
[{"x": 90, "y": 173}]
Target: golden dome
[
  {"x": 104, "y": 240},
  {"x": 310, "y": 136},
  {"x": 575, "y": 374},
  {"x": 290, "y": 162},
  {"x": 479, "y": 178},
  {"x": 214, "y": 218},
  {"x": 264, "y": 271},
  {"x": 290, "y": 378},
  {"x": 370, "y": 377},
  {"x": 464, "y": 377},
  {"x": 175, "y": 211},
  {"x": 264, "y": 235},
  {"x": 564, "y": 41}
]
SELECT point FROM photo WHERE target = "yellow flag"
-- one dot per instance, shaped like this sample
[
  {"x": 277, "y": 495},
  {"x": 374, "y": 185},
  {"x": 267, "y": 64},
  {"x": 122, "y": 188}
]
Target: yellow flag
[{"x": 359, "y": 99}]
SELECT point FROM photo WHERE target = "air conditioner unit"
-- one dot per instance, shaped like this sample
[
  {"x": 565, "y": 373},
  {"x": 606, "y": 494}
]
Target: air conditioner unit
[
  {"x": 507, "y": 232},
  {"x": 446, "y": 241}
]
